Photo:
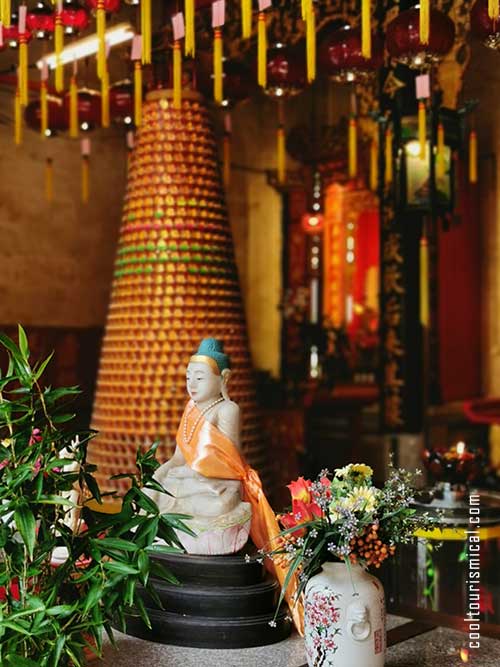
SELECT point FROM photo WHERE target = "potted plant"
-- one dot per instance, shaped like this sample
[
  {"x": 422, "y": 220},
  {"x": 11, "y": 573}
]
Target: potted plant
[
  {"x": 67, "y": 572},
  {"x": 339, "y": 526}
]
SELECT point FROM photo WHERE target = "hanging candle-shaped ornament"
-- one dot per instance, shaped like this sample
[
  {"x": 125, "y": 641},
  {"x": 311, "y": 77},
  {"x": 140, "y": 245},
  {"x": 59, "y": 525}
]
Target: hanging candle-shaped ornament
[
  {"x": 136, "y": 57},
  {"x": 218, "y": 19},
  {"x": 311, "y": 43},
  {"x": 388, "y": 156},
  {"x": 146, "y": 31},
  {"x": 44, "y": 102},
  {"x": 366, "y": 29},
  {"x": 58, "y": 46},
  {"x": 353, "y": 147},
  {"x": 424, "y": 282},
  {"x": 280, "y": 146},
  {"x": 374, "y": 164},
  {"x": 424, "y": 21},
  {"x": 73, "y": 108},
  {"x": 473, "y": 157},
  {"x": 262, "y": 50},
  {"x": 23, "y": 55},
  {"x": 49, "y": 180},
  {"x": 178, "y": 34},
  {"x": 189, "y": 42},
  {"x": 85, "y": 175},
  {"x": 101, "y": 36},
  {"x": 422, "y": 128},
  {"x": 18, "y": 119},
  {"x": 246, "y": 18},
  {"x": 226, "y": 151},
  {"x": 440, "y": 164}
]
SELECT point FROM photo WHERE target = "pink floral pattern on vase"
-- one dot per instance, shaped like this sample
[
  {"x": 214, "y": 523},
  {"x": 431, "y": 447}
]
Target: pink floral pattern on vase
[{"x": 322, "y": 626}]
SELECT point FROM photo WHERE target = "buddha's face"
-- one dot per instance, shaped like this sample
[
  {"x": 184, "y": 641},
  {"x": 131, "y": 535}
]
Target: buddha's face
[{"x": 202, "y": 383}]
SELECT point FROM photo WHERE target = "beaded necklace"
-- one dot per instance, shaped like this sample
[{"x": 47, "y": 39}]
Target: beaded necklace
[{"x": 188, "y": 436}]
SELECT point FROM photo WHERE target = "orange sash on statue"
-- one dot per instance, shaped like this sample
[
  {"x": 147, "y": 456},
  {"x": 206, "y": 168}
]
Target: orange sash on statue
[{"x": 212, "y": 454}]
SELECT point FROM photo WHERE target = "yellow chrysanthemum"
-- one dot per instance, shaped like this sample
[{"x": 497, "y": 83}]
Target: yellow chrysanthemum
[
  {"x": 355, "y": 470},
  {"x": 362, "y": 498}
]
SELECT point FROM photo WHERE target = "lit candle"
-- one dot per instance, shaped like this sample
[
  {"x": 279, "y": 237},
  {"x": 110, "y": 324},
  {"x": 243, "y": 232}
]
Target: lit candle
[{"x": 460, "y": 448}]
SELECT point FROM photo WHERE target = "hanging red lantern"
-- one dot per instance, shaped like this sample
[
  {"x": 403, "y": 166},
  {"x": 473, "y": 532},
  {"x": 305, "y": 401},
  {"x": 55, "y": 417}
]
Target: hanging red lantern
[
  {"x": 89, "y": 108},
  {"x": 11, "y": 33},
  {"x": 121, "y": 102},
  {"x": 484, "y": 28},
  {"x": 110, "y": 6},
  {"x": 58, "y": 120},
  {"x": 74, "y": 17},
  {"x": 41, "y": 21},
  {"x": 403, "y": 38},
  {"x": 312, "y": 223},
  {"x": 286, "y": 71},
  {"x": 340, "y": 56}
]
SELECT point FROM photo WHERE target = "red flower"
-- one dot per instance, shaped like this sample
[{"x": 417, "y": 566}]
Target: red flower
[
  {"x": 35, "y": 436},
  {"x": 13, "y": 590},
  {"x": 289, "y": 521},
  {"x": 300, "y": 490},
  {"x": 305, "y": 512}
]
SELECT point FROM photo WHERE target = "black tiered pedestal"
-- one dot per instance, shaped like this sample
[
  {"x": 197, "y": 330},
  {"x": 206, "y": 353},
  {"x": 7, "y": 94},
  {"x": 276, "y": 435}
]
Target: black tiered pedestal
[{"x": 222, "y": 602}]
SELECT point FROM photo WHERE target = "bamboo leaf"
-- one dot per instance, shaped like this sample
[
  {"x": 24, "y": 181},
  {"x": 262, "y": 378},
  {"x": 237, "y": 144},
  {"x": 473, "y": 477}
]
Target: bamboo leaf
[
  {"x": 26, "y": 525},
  {"x": 119, "y": 567}
]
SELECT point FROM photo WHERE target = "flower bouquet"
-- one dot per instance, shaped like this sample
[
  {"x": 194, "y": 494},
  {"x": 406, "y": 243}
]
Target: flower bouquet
[{"x": 338, "y": 526}]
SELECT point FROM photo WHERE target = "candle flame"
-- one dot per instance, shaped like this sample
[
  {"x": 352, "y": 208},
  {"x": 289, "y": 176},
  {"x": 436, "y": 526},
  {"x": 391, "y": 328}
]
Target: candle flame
[
  {"x": 460, "y": 448},
  {"x": 464, "y": 654}
]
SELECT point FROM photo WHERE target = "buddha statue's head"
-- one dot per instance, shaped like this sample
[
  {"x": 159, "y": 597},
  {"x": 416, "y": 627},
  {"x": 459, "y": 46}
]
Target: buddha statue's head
[{"x": 208, "y": 372}]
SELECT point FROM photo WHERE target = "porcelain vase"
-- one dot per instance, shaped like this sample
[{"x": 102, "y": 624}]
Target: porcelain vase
[{"x": 344, "y": 618}]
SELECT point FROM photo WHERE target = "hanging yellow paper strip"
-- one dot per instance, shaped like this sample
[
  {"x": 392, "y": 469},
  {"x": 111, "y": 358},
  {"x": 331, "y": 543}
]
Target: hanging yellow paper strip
[
  {"x": 177, "y": 72},
  {"x": 422, "y": 129},
  {"x": 18, "y": 119},
  {"x": 218, "y": 74},
  {"x": 5, "y": 12},
  {"x": 305, "y": 8},
  {"x": 493, "y": 9},
  {"x": 311, "y": 44},
  {"x": 85, "y": 179},
  {"x": 23, "y": 69},
  {"x": 374, "y": 165},
  {"x": 424, "y": 282},
  {"x": 473, "y": 157},
  {"x": 262, "y": 50},
  {"x": 137, "y": 93},
  {"x": 353, "y": 148},
  {"x": 101, "y": 36},
  {"x": 146, "y": 31},
  {"x": 226, "y": 160},
  {"x": 440, "y": 166},
  {"x": 280, "y": 138},
  {"x": 105, "y": 97},
  {"x": 73, "y": 108},
  {"x": 44, "y": 110},
  {"x": 366, "y": 30},
  {"x": 189, "y": 40},
  {"x": 424, "y": 21},
  {"x": 246, "y": 18},
  {"x": 58, "y": 47},
  {"x": 388, "y": 157},
  {"x": 49, "y": 180}
]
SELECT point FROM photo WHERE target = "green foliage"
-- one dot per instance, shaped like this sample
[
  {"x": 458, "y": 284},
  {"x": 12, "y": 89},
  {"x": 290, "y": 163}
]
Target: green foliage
[{"x": 50, "y": 614}]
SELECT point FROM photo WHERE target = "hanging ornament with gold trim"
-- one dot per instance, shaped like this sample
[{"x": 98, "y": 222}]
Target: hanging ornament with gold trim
[
  {"x": 18, "y": 119},
  {"x": 218, "y": 20},
  {"x": 281, "y": 145},
  {"x": 189, "y": 42},
  {"x": 146, "y": 31},
  {"x": 179, "y": 32},
  {"x": 388, "y": 156},
  {"x": 58, "y": 47},
  {"x": 136, "y": 57},
  {"x": 473, "y": 157}
]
